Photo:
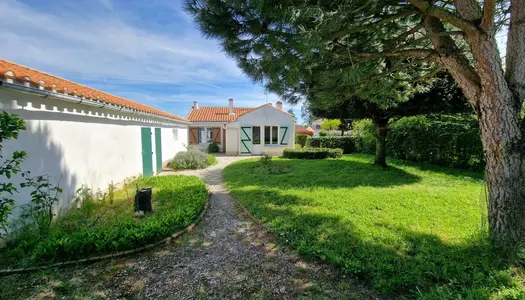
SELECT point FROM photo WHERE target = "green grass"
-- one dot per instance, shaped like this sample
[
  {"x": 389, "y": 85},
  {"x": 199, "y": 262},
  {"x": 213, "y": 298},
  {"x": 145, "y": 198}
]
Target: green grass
[
  {"x": 414, "y": 230},
  {"x": 101, "y": 228}
]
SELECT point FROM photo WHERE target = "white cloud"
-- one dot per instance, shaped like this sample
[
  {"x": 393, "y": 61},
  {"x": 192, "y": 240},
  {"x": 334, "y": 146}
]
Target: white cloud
[{"x": 104, "y": 46}]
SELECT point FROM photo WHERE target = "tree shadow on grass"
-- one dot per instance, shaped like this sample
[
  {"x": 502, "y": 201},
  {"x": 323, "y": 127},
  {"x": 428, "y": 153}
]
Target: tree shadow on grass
[
  {"x": 321, "y": 174},
  {"x": 395, "y": 260}
]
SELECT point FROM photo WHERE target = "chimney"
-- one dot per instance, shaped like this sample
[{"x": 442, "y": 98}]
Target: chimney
[
  {"x": 195, "y": 105},
  {"x": 279, "y": 105},
  {"x": 230, "y": 106}
]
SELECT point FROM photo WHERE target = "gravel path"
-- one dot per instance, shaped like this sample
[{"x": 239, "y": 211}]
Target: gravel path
[{"x": 226, "y": 256}]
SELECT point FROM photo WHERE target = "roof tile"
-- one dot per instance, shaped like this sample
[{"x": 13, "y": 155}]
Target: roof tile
[{"x": 71, "y": 88}]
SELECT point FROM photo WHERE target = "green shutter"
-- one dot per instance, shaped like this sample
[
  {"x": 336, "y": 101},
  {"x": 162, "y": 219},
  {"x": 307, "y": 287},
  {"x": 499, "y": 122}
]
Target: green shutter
[
  {"x": 147, "y": 154},
  {"x": 283, "y": 135},
  {"x": 246, "y": 139},
  {"x": 158, "y": 149}
]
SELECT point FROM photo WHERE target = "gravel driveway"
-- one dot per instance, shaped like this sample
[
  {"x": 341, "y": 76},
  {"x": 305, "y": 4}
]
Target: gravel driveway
[{"x": 226, "y": 256}]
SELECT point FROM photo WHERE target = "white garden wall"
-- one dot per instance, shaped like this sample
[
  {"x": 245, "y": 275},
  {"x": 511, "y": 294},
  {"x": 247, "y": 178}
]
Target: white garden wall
[{"x": 80, "y": 144}]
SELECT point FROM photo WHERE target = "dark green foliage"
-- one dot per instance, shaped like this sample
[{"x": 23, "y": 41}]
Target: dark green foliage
[
  {"x": 213, "y": 148},
  {"x": 342, "y": 142},
  {"x": 441, "y": 140},
  {"x": 313, "y": 153},
  {"x": 98, "y": 229},
  {"x": 10, "y": 127},
  {"x": 323, "y": 133},
  {"x": 410, "y": 230},
  {"x": 301, "y": 139}
]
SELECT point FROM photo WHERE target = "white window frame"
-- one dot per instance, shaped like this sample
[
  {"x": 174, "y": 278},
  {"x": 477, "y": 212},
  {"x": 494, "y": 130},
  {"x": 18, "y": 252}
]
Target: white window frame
[
  {"x": 205, "y": 130},
  {"x": 271, "y": 135}
]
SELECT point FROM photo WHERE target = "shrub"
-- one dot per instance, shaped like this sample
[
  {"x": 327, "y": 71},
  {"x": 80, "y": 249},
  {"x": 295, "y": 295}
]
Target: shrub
[
  {"x": 364, "y": 135},
  {"x": 103, "y": 228},
  {"x": 333, "y": 142},
  {"x": 451, "y": 141},
  {"x": 446, "y": 140},
  {"x": 193, "y": 158},
  {"x": 313, "y": 153},
  {"x": 213, "y": 148},
  {"x": 212, "y": 160},
  {"x": 301, "y": 139},
  {"x": 323, "y": 133}
]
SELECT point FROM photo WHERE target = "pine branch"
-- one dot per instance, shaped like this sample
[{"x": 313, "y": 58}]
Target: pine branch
[
  {"x": 422, "y": 53},
  {"x": 383, "y": 20},
  {"x": 489, "y": 11},
  {"x": 445, "y": 15}
]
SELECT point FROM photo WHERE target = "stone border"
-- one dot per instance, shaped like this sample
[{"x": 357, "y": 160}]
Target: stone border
[{"x": 167, "y": 240}]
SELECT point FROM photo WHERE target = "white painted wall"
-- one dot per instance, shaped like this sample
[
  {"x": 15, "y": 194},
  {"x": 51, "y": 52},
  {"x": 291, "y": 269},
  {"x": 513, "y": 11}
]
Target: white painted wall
[
  {"x": 174, "y": 140},
  {"x": 263, "y": 116},
  {"x": 80, "y": 144}
]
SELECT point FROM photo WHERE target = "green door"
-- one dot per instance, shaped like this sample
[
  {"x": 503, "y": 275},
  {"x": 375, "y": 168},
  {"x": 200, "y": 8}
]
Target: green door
[
  {"x": 158, "y": 149},
  {"x": 246, "y": 139},
  {"x": 147, "y": 154}
]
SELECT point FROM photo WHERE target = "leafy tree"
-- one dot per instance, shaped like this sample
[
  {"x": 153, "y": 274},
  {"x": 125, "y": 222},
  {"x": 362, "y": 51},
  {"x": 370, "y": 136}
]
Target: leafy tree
[
  {"x": 10, "y": 127},
  {"x": 290, "y": 111},
  {"x": 443, "y": 97},
  {"x": 374, "y": 46},
  {"x": 330, "y": 124}
]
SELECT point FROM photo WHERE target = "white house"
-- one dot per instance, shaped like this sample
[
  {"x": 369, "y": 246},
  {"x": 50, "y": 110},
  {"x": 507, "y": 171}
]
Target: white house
[
  {"x": 266, "y": 129},
  {"x": 82, "y": 136}
]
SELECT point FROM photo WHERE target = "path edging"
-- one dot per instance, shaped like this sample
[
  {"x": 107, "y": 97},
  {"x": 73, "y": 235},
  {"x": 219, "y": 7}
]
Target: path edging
[{"x": 115, "y": 255}]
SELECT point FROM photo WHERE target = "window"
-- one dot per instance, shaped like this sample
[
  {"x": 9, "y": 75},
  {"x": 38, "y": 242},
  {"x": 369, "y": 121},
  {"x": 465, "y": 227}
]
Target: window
[
  {"x": 271, "y": 135},
  {"x": 205, "y": 135},
  {"x": 256, "y": 135},
  {"x": 275, "y": 135},
  {"x": 267, "y": 137}
]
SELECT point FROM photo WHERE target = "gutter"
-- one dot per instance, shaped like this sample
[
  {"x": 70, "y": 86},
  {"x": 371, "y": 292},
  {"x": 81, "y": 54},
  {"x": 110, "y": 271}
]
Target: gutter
[{"x": 82, "y": 100}]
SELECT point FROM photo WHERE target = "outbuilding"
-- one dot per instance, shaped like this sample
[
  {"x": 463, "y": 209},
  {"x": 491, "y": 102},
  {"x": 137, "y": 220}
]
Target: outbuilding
[
  {"x": 265, "y": 129},
  {"x": 83, "y": 136}
]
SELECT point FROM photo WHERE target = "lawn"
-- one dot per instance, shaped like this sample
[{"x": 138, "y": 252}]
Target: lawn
[
  {"x": 105, "y": 224},
  {"x": 413, "y": 230}
]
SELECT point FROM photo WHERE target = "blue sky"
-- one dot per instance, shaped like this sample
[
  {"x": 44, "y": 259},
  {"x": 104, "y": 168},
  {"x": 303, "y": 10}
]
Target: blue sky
[{"x": 149, "y": 51}]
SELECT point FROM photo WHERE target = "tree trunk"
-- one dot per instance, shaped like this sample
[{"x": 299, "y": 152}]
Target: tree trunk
[
  {"x": 504, "y": 172},
  {"x": 502, "y": 138},
  {"x": 342, "y": 133},
  {"x": 382, "y": 130}
]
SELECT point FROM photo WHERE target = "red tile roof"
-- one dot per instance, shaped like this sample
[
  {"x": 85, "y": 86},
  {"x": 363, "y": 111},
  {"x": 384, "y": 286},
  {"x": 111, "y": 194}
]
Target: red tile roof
[
  {"x": 221, "y": 113},
  {"x": 299, "y": 129},
  {"x": 216, "y": 114},
  {"x": 49, "y": 82}
]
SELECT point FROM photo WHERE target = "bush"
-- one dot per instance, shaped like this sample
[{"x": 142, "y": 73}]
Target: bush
[
  {"x": 213, "y": 148},
  {"x": 301, "y": 139},
  {"x": 333, "y": 142},
  {"x": 450, "y": 140},
  {"x": 323, "y": 133},
  {"x": 313, "y": 153},
  {"x": 364, "y": 136},
  {"x": 104, "y": 228},
  {"x": 212, "y": 160},
  {"x": 193, "y": 158}
]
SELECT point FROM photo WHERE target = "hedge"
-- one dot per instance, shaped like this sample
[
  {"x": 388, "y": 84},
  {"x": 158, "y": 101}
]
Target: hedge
[
  {"x": 451, "y": 141},
  {"x": 301, "y": 139},
  {"x": 333, "y": 142},
  {"x": 313, "y": 153}
]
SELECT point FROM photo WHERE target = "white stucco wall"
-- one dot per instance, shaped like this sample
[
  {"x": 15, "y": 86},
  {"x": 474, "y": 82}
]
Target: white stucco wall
[
  {"x": 264, "y": 116},
  {"x": 79, "y": 144},
  {"x": 174, "y": 140}
]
